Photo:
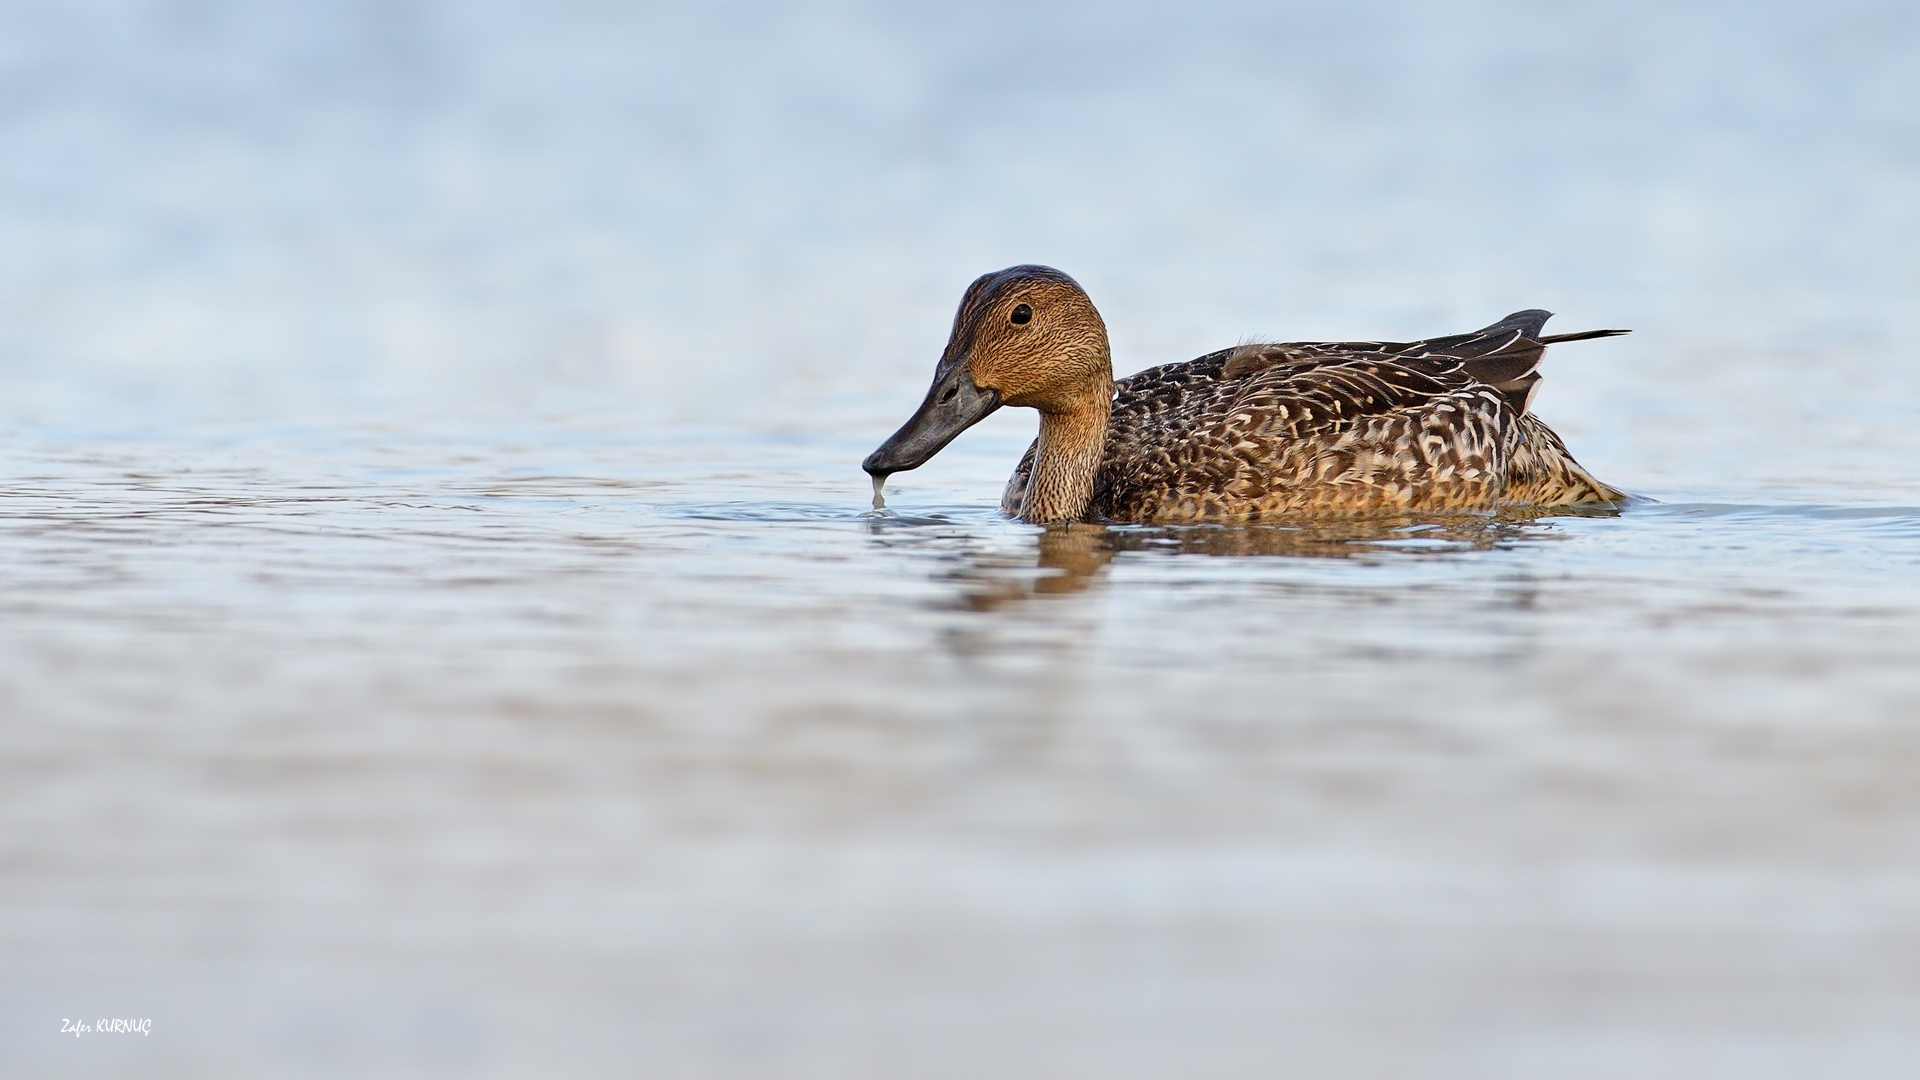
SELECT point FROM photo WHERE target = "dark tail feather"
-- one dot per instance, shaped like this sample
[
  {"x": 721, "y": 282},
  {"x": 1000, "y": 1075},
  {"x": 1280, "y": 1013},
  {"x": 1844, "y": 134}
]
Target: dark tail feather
[
  {"x": 1519, "y": 392},
  {"x": 1581, "y": 336},
  {"x": 1508, "y": 365}
]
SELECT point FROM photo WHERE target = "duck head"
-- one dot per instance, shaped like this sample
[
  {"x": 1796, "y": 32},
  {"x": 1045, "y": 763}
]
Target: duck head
[{"x": 1025, "y": 336}]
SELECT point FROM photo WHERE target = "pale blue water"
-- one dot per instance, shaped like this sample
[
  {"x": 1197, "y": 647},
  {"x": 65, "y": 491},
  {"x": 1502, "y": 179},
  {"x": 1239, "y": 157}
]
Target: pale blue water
[{"x": 444, "y": 631}]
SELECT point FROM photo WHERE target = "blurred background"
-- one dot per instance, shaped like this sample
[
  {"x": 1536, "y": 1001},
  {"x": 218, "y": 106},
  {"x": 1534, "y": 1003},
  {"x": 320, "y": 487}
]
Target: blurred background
[
  {"x": 270, "y": 211},
  {"x": 439, "y": 635}
]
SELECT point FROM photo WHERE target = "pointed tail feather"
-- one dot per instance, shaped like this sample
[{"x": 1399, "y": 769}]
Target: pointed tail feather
[{"x": 1583, "y": 335}]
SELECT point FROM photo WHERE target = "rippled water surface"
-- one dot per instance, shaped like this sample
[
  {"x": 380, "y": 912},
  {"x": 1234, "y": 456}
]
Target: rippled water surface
[{"x": 443, "y": 630}]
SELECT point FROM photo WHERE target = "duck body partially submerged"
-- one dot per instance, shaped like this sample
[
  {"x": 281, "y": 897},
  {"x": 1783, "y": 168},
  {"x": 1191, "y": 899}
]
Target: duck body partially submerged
[
  {"x": 1255, "y": 432},
  {"x": 1268, "y": 430}
]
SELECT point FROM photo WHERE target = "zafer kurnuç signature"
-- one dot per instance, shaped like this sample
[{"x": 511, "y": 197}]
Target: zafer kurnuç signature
[{"x": 77, "y": 1028}]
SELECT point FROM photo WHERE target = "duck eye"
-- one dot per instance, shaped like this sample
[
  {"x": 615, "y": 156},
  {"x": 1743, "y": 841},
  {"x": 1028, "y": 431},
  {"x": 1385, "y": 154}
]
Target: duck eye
[{"x": 1022, "y": 315}]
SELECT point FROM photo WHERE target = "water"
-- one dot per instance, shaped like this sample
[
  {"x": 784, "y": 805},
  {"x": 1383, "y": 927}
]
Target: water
[{"x": 445, "y": 632}]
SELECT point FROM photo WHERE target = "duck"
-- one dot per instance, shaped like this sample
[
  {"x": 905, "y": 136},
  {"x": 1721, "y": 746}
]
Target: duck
[{"x": 1256, "y": 432}]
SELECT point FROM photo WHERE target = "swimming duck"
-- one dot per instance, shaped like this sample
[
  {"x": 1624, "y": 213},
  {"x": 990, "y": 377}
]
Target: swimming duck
[{"x": 1247, "y": 433}]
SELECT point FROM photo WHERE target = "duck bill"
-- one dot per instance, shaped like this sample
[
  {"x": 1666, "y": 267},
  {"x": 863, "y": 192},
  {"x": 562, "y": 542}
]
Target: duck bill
[{"x": 953, "y": 405}]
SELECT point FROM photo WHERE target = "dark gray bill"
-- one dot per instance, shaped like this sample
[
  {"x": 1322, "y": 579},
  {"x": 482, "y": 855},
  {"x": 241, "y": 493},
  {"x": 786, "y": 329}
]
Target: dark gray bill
[{"x": 952, "y": 406}]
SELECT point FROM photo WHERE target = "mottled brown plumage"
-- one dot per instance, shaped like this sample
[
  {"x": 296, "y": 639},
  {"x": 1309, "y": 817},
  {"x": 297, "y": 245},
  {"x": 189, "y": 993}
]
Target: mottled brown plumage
[{"x": 1253, "y": 432}]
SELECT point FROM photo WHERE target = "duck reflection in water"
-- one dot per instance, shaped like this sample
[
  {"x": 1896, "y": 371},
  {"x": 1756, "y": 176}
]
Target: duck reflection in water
[
  {"x": 1062, "y": 559},
  {"x": 1068, "y": 559}
]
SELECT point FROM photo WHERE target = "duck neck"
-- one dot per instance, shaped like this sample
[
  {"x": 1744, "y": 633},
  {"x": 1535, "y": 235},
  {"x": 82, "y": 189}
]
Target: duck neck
[{"x": 1073, "y": 442}]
